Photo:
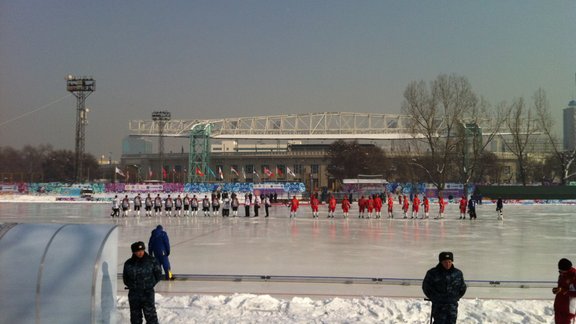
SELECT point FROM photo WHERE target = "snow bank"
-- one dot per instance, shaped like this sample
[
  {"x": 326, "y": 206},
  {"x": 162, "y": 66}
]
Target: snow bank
[{"x": 249, "y": 308}]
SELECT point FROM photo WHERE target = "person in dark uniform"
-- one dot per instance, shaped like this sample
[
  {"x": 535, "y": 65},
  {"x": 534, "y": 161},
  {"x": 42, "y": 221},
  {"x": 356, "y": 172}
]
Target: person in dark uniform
[
  {"x": 472, "y": 208},
  {"x": 141, "y": 273},
  {"x": 500, "y": 208},
  {"x": 444, "y": 285},
  {"x": 247, "y": 202}
]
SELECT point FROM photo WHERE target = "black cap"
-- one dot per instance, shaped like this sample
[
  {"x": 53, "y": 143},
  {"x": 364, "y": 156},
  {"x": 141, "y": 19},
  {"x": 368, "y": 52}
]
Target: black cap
[
  {"x": 446, "y": 256},
  {"x": 564, "y": 264},
  {"x": 138, "y": 246}
]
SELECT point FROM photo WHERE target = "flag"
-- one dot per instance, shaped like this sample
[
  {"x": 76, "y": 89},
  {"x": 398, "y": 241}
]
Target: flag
[
  {"x": 233, "y": 171},
  {"x": 150, "y": 173},
  {"x": 211, "y": 172},
  {"x": 290, "y": 172},
  {"x": 199, "y": 173},
  {"x": 118, "y": 171},
  {"x": 256, "y": 173},
  {"x": 279, "y": 171},
  {"x": 220, "y": 173},
  {"x": 268, "y": 172},
  {"x": 173, "y": 169},
  {"x": 243, "y": 173},
  {"x": 163, "y": 173},
  {"x": 127, "y": 174}
]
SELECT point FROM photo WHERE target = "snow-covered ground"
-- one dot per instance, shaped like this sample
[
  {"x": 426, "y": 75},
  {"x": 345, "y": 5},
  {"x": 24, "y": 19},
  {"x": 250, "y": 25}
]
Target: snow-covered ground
[
  {"x": 521, "y": 251},
  {"x": 249, "y": 308}
]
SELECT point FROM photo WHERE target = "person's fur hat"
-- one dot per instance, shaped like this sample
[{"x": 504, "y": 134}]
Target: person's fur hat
[
  {"x": 446, "y": 256},
  {"x": 138, "y": 246},
  {"x": 564, "y": 264}
]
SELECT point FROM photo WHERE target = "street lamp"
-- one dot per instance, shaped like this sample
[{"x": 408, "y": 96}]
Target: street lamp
[
  {"x": 161, "y": 117},
  {"x": 81, "y": 88}
]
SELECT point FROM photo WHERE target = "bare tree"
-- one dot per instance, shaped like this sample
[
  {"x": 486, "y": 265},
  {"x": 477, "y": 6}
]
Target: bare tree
[
  {"x": 521, "y": 124},
  {"x": 565, "y": 159},
  {"x": 348, "y": 159},
  {"x": 438, "y": 112}
]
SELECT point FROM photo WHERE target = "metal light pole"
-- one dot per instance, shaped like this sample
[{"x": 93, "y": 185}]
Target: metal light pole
[
  {"x": 161, "y": 117},
  {"x": 81, "y": 88}
]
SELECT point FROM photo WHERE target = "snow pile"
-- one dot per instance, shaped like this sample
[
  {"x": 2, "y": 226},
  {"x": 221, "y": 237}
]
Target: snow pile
[
  {"x": 249, "y": 308},
  {"x": 27, "y": 198}
]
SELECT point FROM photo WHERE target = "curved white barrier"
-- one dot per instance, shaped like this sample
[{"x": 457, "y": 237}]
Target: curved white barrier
[{"x": 58, "y": 273}]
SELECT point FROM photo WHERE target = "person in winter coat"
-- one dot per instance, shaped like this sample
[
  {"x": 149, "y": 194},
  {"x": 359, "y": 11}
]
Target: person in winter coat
[
  {"x": 500, "y": 208},
  {"x": 247, "y": 202},
  {"x": 444, "y": 285},
  {"x": 141, "y": 273},
  {"x": 565, "y": 291},
  {"x": 267, "y": 205},
  {"x": 159, "y": 247},
  {"x": 472, "y": 208}
]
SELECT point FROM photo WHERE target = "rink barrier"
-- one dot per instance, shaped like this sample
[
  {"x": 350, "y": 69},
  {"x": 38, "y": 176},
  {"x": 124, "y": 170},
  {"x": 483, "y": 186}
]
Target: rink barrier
[{"x": 356, "y": 280}]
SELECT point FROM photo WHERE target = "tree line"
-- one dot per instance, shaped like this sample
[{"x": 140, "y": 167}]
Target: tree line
[
  {"x": 43, "y": 164},
  {"x": 451, "y": 128}
]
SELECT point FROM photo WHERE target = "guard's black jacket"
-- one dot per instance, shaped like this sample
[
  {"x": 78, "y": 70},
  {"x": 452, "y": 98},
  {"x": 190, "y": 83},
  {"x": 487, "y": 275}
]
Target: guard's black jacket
[{"x": 141, "y": 273}]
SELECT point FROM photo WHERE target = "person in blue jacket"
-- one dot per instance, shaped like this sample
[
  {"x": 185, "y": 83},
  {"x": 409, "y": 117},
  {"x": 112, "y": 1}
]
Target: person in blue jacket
[{"x": 159, "y": 247}]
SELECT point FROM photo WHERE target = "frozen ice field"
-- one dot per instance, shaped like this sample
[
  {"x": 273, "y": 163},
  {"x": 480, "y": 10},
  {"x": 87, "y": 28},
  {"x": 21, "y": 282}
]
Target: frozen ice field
[{"x": 515, "y": 258}]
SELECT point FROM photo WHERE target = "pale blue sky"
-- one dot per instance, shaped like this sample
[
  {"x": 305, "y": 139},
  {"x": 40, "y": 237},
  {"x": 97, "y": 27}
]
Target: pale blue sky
[{"x": 210, "y": 59}]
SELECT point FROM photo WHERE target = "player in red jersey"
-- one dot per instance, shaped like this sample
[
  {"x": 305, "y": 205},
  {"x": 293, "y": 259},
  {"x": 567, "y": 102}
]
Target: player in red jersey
[
  {"x": 426, "y": 204},
  {"x": 314, "y": 203},
  {"x": 390, "y": 206},
  {"x": 331, "y": 206},
  {"x": 370, "y": 205},
  {"x": 441, "y": 207},
  {"x": 463, "y": 204},
  {"x": 345, "y": 206},
  {"x": 378, "y": 206},
  {"x": 294, "y": 203},
  {"x": 405, "y": 206},
  {"x": 415, "y": 206},
  {"x": 361, "y": 207}
]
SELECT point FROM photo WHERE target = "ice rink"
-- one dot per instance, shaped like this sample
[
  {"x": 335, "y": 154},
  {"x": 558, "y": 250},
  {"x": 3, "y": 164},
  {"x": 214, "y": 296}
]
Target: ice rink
[{"x": 515, "y": 258}]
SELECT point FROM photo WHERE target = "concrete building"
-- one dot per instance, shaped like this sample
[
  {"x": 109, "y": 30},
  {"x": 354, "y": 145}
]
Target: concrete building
[
  {"x": 290, "y": 147},
  {"x": 569, "y": 121}
]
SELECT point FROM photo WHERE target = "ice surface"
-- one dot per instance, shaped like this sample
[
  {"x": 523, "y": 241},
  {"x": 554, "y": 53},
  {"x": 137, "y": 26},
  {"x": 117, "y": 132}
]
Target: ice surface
[{"x": 524, "y": 247}]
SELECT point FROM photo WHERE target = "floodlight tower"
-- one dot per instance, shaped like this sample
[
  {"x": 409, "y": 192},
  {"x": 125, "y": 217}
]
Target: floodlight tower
[
  {"x": 161, "y": 117},
  {"x": 81, "y": 88}
]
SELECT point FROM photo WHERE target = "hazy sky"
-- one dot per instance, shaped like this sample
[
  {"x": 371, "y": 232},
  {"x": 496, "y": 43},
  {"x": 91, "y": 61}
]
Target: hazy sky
[{"x": 210, "y": 59}]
